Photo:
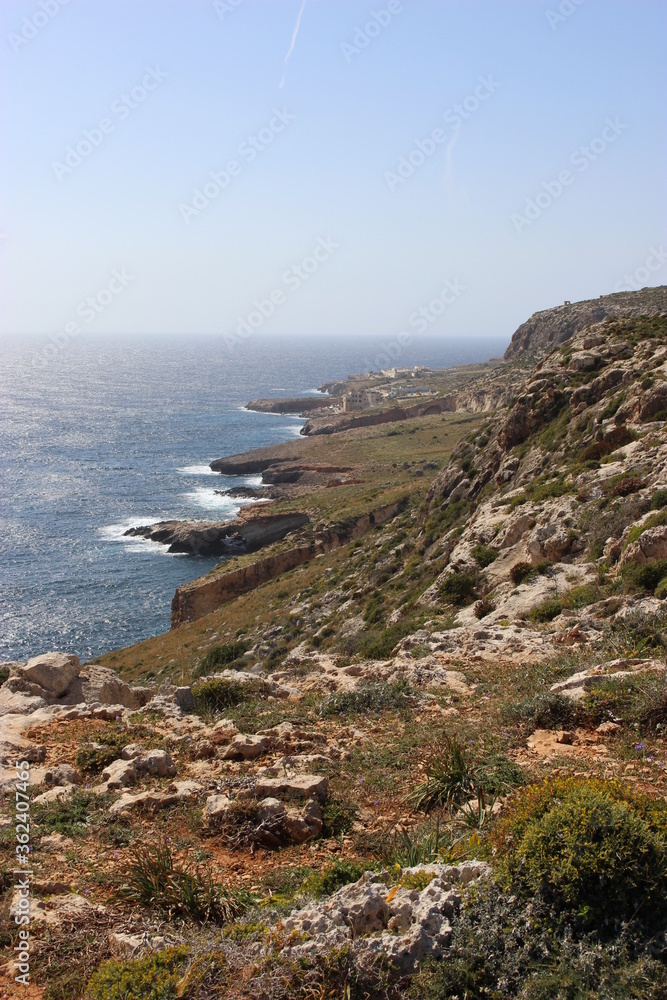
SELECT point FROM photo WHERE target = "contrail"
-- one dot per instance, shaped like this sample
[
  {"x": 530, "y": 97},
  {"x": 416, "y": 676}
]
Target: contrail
[{"x": 291, "y": 48}]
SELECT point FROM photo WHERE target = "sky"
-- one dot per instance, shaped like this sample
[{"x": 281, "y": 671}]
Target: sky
[{"x": 326, "y": 168}]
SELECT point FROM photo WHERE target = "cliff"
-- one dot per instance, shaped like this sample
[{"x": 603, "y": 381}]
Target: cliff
[{"x": 551, "y": 327}]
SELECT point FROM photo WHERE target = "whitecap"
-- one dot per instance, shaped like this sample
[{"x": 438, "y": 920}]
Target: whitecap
[
  {"x": 134, "y": 543},
  {"x": 197, "y": 470}
]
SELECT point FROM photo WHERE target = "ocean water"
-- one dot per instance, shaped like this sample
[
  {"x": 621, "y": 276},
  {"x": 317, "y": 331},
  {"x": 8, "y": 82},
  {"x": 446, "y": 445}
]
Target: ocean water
[{"x": 116, "y": 433}]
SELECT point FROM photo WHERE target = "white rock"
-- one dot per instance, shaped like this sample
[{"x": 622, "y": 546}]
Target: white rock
[
  {"x": 119, "y": 774},
  {"x": 216, "y": 809},
  {"x": 54, "y": 672}
]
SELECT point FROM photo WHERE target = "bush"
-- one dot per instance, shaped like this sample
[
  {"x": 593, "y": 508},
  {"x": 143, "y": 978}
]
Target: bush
[
  {"x": 338, "y": 815},
  {"x": 635, "y": 634},
  {"x": 226, "y": 655},
  {"x": 586, "y": 846},
  {"x": 640, "y": 701},
  {"x": 332, "y": 877},
  {"x": 547, "y": 611},
  {"x": 4, "y": 674},
  {"x": 92, "y": 758},
  {"x": 616, "y": 438},
  {"x": 623, "y": 486},
  {"x": 216, "y": 695},
  {"x": 659, "y": 500},
  {"x": 68, "y": 817},
  {"x": 454, "y": 775},
  {"x": 154, "y": 977},
  {"x": 484, "y": 555},
  {"x": 372, "y": 698},
  {"x": 520, "y": 572},
  {"x": 645, "y": 577},
  {"x": 544, "y": 711},
  {"x": 155, "y": 881},
  {"x": 459, "y": 588},
  {"x": 483, "y": 608}
]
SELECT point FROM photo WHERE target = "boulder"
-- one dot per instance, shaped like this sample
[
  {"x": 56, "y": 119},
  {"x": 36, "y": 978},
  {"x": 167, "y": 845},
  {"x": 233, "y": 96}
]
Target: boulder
[
  {"x": 651, "y": 544},
  {"x": 217, "y": 808},
  {"x": 63, "y": 774},
  {"x": 306, "y": 825},
  {"x": 119, "y": 774},
  {"x": 53, "y": 672},
  {"x": 245, "y": 748},
  {"x": 157, "y": 762},
  {"x": 270, "y": 811},
  {"x": 302, "y": 786}
]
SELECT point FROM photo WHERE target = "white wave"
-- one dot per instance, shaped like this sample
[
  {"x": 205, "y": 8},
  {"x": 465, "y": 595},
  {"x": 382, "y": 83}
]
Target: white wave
[
  {"x": 197, "y": 470},
  {"x": 253, "y": 480},
  {"x": 134, "y": 543},
  {"x": 224, "y": 506}
]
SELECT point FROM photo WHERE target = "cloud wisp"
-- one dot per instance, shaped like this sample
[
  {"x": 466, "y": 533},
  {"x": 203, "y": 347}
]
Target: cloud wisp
[{"x": 293, "y": 42}]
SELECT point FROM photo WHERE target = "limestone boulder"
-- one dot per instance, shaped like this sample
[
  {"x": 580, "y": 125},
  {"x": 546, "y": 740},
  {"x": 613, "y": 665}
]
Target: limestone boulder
[{"x": 52, "y": 672}]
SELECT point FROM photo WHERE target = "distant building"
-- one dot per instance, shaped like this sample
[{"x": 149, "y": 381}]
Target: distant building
[
  {"x": 361, "y": 399},
  {"x": 395, "y": 372}
]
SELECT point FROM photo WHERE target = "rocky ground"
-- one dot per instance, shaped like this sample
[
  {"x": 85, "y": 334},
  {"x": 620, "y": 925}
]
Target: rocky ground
[{"x": 348, "y": 787}]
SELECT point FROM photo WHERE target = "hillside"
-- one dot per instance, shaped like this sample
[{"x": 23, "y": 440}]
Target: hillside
[
  {"x": 552, "y": 327},
  {"x": 416, "y": 748}
]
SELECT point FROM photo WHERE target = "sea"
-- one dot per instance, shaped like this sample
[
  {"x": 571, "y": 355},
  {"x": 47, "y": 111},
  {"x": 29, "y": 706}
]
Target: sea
[{"x": 103, "y": 434}]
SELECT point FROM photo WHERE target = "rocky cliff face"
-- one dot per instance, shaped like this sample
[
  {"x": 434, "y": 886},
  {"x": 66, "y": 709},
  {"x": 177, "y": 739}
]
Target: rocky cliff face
[{"x": 551, "y": 327}]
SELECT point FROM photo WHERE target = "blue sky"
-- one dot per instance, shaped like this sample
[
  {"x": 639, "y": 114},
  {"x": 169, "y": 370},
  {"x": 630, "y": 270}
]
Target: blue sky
[{"x": 151, "y": 97}]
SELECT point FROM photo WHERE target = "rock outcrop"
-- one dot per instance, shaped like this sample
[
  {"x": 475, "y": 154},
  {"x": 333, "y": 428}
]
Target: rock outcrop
[
  {"x": 222, "y": 538},
  {"x": 551, "y": 327}
]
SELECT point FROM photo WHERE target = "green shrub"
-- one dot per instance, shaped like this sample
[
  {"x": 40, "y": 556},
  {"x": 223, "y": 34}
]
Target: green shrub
[
  {"x": 4, "y": 674},
  {"x": 640, "y": 701},
  {"x": 651, "y": 522},
  {"x": 68, "y": 816},
  {"x": 547, "y": 611},
  {"x": 521, "y": 571},
  {"x": 92, "y": 758},
  {"x": 484, "y": 555},
  {"x": 155, "y": 881},
  {"x": 454, "y": 775},
  {"x": 334, "y": 876},
  {"x": 661, "y": 590},
  {"x": 153, "y": 977},
  {"x": 659, "y": 500},
  {"x": 587, "y": 846},
  {"x": 645, "y": 577},
  {"x": 459, "y": 588},
  {"x": 338, "y": 816},
  {"x": 483, "y": 608},
  {"x": 226, "y": 655},
  {"x": 371, "y": 698},
  {"x": 546, "y": 710},
  {"x": 635, "y": 634},
  {"x": 216, "y": 694}
]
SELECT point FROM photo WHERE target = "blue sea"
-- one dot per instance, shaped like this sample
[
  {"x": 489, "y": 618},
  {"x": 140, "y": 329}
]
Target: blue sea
[{"x": 116, "y": 433}]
